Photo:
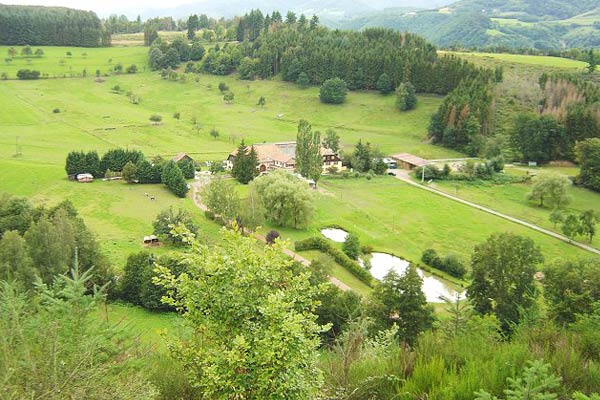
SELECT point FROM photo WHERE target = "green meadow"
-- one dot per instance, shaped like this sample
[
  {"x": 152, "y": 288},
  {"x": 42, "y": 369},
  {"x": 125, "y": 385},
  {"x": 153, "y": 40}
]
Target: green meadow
[
  {"x": 56, "y": 63},
  {"x": 398, "y": 218},
  {"x": 540, "y": 61},
  {"x": 512, "y": 199},
  {"x": 99, "y": 115},
  {"x": 34, "y": 140}
]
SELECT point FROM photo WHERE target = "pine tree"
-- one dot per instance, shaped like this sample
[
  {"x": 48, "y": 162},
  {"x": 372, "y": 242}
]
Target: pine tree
[
  {"x": 384, "y": 84},
  {"x": 245, "y": 164}
]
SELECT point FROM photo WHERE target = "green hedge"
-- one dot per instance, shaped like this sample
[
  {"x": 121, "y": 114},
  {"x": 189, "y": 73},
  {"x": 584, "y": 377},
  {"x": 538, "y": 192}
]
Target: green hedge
[{"x": 318, "y": 243}]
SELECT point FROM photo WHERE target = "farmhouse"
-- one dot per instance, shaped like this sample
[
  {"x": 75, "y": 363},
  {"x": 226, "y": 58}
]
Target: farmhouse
[
  {"x": 282, "y": 155},
  {"x": 181, "y": 157},
  {"x": 409, "y": 161}
]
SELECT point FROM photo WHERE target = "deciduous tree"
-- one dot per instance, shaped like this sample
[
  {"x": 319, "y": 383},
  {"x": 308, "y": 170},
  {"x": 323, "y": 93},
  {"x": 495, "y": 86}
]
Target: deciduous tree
[
  {"x": 503, "y": 267},
  {"x": 258, "y": 336}
]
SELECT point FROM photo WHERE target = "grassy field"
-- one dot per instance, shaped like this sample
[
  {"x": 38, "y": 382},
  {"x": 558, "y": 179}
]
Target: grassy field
[
  {"x": 397, "y": 218},
  {"x": 540, "y": 61},
  {"x": 57, "y": 64},
  {"x": 511, "y": 199},
  {"x": 93, "y": 117},
  {"x": 147, "y": 326}
]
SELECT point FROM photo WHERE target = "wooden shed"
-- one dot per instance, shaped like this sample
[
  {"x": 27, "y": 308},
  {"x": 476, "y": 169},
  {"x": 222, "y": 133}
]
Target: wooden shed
[
  {"x": 409, "y": 161},
  {"x": 151, "y": 241}
]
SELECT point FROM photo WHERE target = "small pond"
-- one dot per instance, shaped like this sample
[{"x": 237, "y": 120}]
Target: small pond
[
  {"x": 433, "y": 287},
  {"x": 335, "y": 234}
]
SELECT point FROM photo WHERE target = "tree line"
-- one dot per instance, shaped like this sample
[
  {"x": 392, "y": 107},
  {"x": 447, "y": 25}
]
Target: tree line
[
  {"x": 567, "y": 114},
  {"x": 50, "y": 26},
  {"x": 45, "y": 242},
  {"x": 133, "y": 167},
  {"x": 305, "y": 52}
]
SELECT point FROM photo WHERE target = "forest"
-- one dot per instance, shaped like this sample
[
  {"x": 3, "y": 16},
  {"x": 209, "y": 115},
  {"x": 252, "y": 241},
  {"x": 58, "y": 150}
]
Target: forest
[
  {"x": 50, "y": 26},
  {"x": 293, "y": 48}
]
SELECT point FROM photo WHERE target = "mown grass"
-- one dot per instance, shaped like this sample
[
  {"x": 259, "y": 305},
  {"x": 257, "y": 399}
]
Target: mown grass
[
  {"x": 400, "y": 219},
  {"x": 57, "y": 64},
  {"x": 93, "y": 117},
  {"x": 541, "y": 61},
  {"x": 511, "y": 199}
]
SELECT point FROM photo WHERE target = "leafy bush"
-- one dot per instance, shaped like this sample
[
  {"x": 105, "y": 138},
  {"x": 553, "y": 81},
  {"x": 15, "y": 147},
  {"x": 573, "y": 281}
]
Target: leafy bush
[
  {"x": 167, "y": 219},
  {"x": 450, "y": 264},
  {"x": 27, "y": 74},
  {"x": 318, "y": 243},
  {"x": 333, "y": 91},
  {"x": 351, "y": 246},
  {"x": 132, "y": 69},
  {"x": 271, "y": 236}
]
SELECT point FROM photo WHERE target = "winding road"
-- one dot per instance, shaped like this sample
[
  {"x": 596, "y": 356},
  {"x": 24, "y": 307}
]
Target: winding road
[{"x": 404, "y": 176}]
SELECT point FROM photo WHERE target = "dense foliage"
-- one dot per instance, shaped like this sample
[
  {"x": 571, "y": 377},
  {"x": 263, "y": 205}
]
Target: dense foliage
[
  {"x": 39, "y": 242},
  {"x": 450, "y": 264},
  {"x": 567, "y": 114},
  {"x": 54, "y": 345},
  {"x": 50, "y": 26},
  {"x": 287, "y": 200},
  {"x": 588, "y": 154},
  {"x": 314, "y": 54},
  {"x": 319, "y": 243},
  {"x": 258, "y": 333},
  {"x": 464, "y": 118},
  {"x": 503, "y": 284}
]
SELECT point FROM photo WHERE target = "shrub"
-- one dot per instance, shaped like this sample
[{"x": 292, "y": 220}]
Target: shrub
[
  {"x": 56, "y": 111},
  {"x": 210, "y": 215},
  {"x": 155, "y": 118},
  {"x": 27, "y": 74},
  {"x": 271, "y": 236},
  {"x": 351, "y": 246},
  {"x": 318, "y": 243},
  {"x": 451, "y": 264},
  {"x": 177, "y": 115},
  {"x": 167, "y": 219},
  {"x": 333, "y": 91},
  {"x": 431, "y": 258},
  {"x": 366, "y": 249},
  {"x": 223, "y": 87},
  {"x": 132, "y": 69}
]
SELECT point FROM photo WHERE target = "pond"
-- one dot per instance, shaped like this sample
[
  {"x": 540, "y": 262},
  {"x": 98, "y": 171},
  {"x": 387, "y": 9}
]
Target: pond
[
  {"x": 433, "y": 287},
  {"x": 335, "y": 234}
]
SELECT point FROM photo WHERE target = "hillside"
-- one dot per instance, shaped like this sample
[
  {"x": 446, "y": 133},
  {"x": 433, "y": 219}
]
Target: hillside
[
  {"x": 327, "y": 10},
  {"x": 543, "y": 25}
]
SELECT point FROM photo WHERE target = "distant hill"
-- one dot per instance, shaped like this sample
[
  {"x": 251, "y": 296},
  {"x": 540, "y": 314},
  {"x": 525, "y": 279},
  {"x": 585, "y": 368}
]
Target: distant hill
[
  {"x": 540, "y": 24},
  {"x": 328, "y": 10}
]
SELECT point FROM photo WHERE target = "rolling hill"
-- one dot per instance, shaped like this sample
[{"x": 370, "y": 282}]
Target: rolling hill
[{"x": 544, "y": 25}]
